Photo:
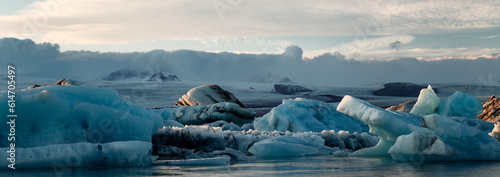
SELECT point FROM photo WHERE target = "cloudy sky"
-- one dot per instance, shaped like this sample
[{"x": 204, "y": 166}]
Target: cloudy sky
[{"x": 360, "y": 29}]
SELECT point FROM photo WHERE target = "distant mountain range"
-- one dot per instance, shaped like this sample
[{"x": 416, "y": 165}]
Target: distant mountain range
[
  {"x": 127, "y": 73},
  {"x": 160, "y": 77},
  {"x": 271, "y": 78}
]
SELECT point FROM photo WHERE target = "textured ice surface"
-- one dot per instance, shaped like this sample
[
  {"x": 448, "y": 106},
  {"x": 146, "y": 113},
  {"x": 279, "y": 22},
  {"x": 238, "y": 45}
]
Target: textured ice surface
[
  {"x": 460, "y": 104},
  {"x": 387, "y": 125},
  {"x": 439, "y": 138},
  {"x": 207, "y": 94},
  {"x": 225, "y": 125},
  {"x": 118, "y": 153},
  {"x": 427, "y": 102},
  {"x": 213, "y": 139},
  {"x": 65, "y": 117},
  {"x": 478, "y": 124},
  {"x": 303, "y": 115},
  {"x": 290, "y": 146},
  {"x": 196, "y": 115},
  {"x": 442, "y": 138},
  {"x": 350, "y": 141},
  {"x": 495, "y": 133}
]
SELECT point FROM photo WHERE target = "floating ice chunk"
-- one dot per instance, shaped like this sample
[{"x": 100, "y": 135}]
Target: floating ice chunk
[
  {"x": 225, "y": 125},
  {"x": 119, "y": 153},
  {"x": 387, "y": 125},
  {"x": 478, "y": 124},
  {"x": 443, "y": 138},
  {"x": 71, "y": 115},
  {"x": 291, "y": 146},
  {"x": 212, "y": 140},
  {"x": 207, "y": 94},
  {"x": 196, "y": 115},
  {"x": 427, "y": 102},
  {"x": 460, "y": 104},
  {"x": 346, "y": 140},
  {"x": 220, "y": 160},
  {"x": 420, "y": 143},
  {"x": 446, "y": 126},
  {"x": 495, "y": 133},
  {"x": 303, "y": 115},
  {"x": 205, "y": 138}
]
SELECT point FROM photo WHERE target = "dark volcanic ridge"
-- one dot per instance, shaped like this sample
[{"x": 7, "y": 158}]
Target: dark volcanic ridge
[{"x": 401, "y": 89}]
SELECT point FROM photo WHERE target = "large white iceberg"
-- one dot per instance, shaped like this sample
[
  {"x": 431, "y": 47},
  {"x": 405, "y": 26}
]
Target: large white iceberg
[
  {"x": 427, "y": 102},
  {"x": 94, "y": 125},
  {"x": 386, "y": 124},
  {"x": 303, "y": 115}
]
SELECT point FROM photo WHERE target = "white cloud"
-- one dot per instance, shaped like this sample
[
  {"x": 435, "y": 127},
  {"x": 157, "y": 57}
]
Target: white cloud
[
  {"x": 433, "y": 54},
  {"x": 125, "y": 21},
  {"x": 364, "y": 46},
  {"x": 248, "y": 44},
  {"x": 45, "y": 60},
  {"x": 490, "y": 37}
]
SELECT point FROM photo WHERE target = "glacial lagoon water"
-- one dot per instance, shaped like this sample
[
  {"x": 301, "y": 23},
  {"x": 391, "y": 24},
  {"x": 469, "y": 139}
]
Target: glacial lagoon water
[{"x": 303, "y": 166}]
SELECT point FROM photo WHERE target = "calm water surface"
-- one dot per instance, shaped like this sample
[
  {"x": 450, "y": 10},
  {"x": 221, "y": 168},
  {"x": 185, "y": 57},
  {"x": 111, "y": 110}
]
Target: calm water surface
[{"x": 305, "y": 166}]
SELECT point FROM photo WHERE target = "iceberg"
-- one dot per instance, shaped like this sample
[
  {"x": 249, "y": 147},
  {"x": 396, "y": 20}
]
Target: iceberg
[
  {"x": 197, "y": 115},
  {"x": 427, "y": 102},
  {"x": 387, "y": 125},
  {"x": 94, "y": 125},
  {"x": 291, "y": 146},
  {"x": 206, "y": 141},
  {"x": 119, "y": 153},
  {"x": 225, "y": 125},
  {"x": 460, "y": 104},
  {"x": 438, "y": 138},
  {"x": 348, "y": 141},
  {"x": 207, "y": 94},
  {"x": 303, "y": 115},
  {"x": 444, "y": 139}
]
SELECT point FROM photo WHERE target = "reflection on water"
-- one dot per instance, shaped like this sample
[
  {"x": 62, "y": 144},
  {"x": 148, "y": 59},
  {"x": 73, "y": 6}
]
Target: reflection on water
[{"x": 310, "y": 166}]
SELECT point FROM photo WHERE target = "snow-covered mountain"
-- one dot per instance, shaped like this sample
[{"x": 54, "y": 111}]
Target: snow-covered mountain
[
  {"x": 160, "y": 77},
  {"x": 126, "y": 73}
]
